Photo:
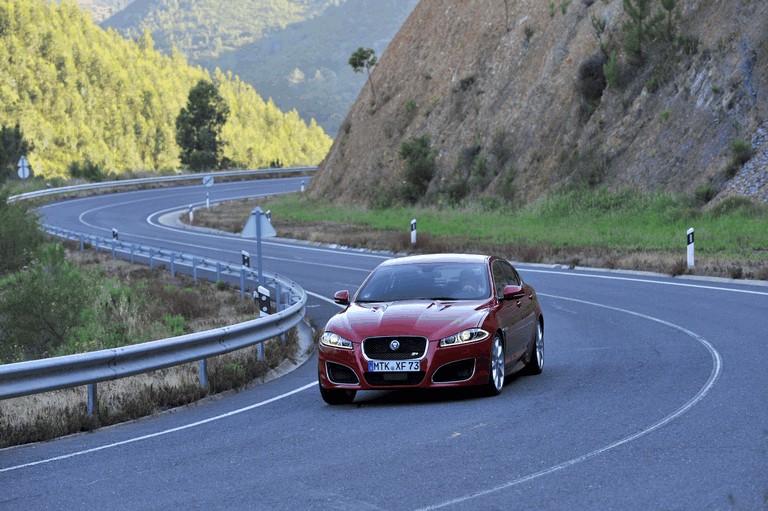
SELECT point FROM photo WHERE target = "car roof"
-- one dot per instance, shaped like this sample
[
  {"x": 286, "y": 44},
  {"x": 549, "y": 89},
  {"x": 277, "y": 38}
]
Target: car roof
[{"x": 437, "y": 258}]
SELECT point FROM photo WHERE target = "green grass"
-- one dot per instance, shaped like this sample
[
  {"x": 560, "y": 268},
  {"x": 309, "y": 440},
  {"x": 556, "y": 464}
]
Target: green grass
[{"x": 623, "y": 221}]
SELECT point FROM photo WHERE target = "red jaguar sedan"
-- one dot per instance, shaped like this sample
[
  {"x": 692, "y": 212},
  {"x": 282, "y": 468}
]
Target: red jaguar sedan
[{"x": 432, "y": 321}]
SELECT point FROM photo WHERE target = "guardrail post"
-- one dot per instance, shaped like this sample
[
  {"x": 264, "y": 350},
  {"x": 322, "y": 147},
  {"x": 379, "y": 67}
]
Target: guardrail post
[
  {"x": 133, "y": 249},
  {"x": 113, "y": 249},
  {"x": 172, "y": 261},
  {"x": 242, "y": 282},
  {"x": 218, "y": 272},
  {"x": 151, "y": 259},
  {"x": 194, "y": 270},
  {"x": 204, "y": 373},
  {"x": 93, "y": 401},
  {"x": 279, "y": 303},
  {"x": 82, "y": 243}
]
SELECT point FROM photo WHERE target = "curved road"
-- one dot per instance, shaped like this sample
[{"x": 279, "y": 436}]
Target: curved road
[{"x": 653, "y": 396}]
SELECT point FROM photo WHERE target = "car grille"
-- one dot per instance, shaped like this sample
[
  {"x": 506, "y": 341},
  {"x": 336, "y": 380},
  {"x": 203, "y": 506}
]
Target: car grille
[
  {"x": 338, "y": 373},
  {"x": 379, "y": 348},
  {"x": 388, "y": 379}
]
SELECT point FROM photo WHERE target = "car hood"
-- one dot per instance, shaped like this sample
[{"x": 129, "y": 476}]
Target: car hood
[{"x": 431, "y": 319}]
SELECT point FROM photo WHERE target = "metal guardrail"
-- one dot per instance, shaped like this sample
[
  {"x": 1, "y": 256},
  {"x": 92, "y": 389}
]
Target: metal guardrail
[
  {"x": 154, "y": 180},
  {"x": 34, "y": 376}
]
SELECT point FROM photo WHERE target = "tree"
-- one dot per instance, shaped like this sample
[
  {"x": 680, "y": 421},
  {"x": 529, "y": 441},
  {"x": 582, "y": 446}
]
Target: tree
[
  {"x": 12, "y": 147},
  {"x": 636, "y": 29},
  {"x": 361, "y": 59},
  {"x": 199, "y": 125}
]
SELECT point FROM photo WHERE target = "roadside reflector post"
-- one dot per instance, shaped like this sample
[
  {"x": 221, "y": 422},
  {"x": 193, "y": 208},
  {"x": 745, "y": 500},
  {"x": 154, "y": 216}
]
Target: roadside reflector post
[
  {"x": 413, "y": 232},
  {"x": 690, "y": 248},
  {"x": 302, "y": 186},
  {"x": 204, "y": 373},
  {"x": 207, "y": 200},
  {"x": 246, "y": 259},
  {"x": 263, "y": 296},
  {"x": 114, "y": 242},
  {"x": 92, "y": 399},
  {"x": 191, "y": 214}
]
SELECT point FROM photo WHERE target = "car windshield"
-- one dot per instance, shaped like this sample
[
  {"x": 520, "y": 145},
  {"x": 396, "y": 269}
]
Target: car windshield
[{"x": 426, "y": 281}]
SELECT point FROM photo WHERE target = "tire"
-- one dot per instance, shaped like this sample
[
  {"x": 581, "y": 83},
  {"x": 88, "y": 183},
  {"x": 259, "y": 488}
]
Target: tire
[
  {"x": 496, "y": 376},
  {"x": 535, "y": 363},
  {"x": 337, "y": 396}
]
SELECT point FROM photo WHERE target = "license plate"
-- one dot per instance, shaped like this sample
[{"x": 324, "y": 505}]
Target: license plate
[{"x": 379, "y": 366}]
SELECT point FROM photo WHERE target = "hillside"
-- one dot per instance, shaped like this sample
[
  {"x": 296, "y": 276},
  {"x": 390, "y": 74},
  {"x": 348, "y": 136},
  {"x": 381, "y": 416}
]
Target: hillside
[
  {"x": 294, "y": 51},
  {"x": 85, "y": 95},
  {"x": 515, "y": 114},
  {"x": 102, "y": 9}
]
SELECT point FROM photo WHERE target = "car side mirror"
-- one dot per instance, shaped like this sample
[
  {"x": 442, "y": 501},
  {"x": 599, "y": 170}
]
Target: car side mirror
[
  {"x": 513, "y": 292},
  {"x": 341, "y": 297}
]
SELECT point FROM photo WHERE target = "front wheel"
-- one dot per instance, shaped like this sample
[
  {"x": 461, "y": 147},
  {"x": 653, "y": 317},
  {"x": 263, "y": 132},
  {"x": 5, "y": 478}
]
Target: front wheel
[
  {"x": 337, "y": 396},
  {"x": 535, "y": 363},
  {"x": 496, "y": 376}
]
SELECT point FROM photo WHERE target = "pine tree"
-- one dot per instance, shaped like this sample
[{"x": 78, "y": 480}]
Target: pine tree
[{"x": 199, "y": 125}]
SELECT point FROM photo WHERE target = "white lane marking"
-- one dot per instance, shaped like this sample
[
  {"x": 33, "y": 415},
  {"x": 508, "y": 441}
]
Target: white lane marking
[
  {"x": 161, "y": 433},
  {"x": 151, "y": 221},
  {"x": 321, "y": 297},
  {"x": 647, "y": 281},
  {"x": 717, "y": 364}
]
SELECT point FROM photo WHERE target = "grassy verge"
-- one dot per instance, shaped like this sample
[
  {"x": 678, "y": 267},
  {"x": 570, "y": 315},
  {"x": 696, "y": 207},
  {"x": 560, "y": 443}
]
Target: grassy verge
[
  {"x": 578, "y": 228},
  {"x": 195, "y": 307}
]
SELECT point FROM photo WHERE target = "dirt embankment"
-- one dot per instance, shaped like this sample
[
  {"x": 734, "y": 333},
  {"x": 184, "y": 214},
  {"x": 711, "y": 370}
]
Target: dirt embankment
[{"x": 513, "y": 108}]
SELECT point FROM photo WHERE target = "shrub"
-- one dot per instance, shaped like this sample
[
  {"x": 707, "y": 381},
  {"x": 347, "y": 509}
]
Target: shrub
[
  {"x": 500, "y": 148},
  {"x": 741, "y": 152},
  {"x": 41, "y": 306},
  {"x": 88, "y": 170},
  {"x": 419, "y": 167},
  {"x": 20, "y": 235},
  {"x": 528, "y": 33},
  {"x": 507, "y": 188},
  {"x": 612, "y": 71},
  {"x": 737, "y": 206},
  {"x": 410, "y": 109},
  {"x": 705, "y": 193}
]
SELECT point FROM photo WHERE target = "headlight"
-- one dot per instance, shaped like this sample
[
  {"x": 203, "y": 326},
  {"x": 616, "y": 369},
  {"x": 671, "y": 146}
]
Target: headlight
[
  {"x": 464, "y": 337},
  {"x": 335, "y": 341}
]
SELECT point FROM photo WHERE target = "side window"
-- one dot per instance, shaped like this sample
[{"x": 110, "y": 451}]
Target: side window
[
  {"x": 504, "y": 275},
  {"x": 499, "y": 279},
  {"x": 514, "y": 277}
]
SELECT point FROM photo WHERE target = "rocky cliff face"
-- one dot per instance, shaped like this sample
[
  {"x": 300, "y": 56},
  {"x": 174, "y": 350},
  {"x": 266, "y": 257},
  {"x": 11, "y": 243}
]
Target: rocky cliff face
[{"x": 516, "y": 106}]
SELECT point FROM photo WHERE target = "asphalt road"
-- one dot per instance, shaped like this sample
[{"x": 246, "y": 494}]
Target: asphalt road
[{"x": 653, "y": 396}]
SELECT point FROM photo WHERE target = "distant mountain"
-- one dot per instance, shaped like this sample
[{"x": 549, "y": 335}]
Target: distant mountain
[
  {"x": 85, "y": 95},
  {"x": 294, "y": 51}
]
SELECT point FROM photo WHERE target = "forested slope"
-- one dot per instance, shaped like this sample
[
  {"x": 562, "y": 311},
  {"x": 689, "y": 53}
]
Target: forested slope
[
  {"x": 294, "y": 51},
  {"x": 81, "y": 93}
]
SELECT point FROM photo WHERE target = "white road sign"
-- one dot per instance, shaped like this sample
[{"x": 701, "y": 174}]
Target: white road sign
[{"x": 23, "y": 168}]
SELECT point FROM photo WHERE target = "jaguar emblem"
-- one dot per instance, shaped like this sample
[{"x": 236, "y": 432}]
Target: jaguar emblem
[{"x": 394, "y": 345}]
